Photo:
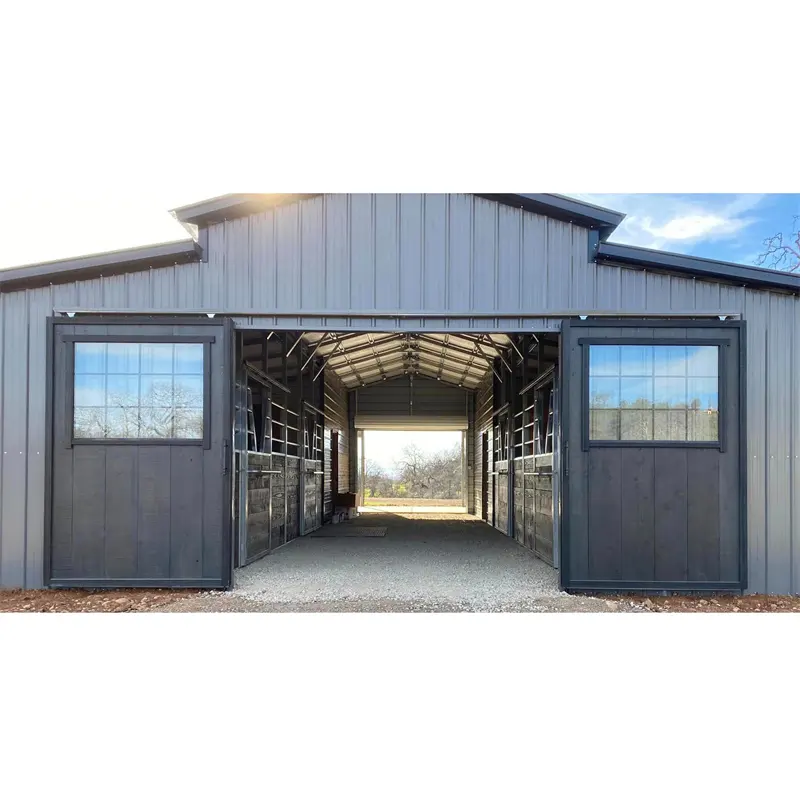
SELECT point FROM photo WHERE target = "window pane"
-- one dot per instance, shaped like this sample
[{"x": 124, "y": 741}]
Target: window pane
[
  {"x": 157, "y": 358},
  {"x": 155, "y": 423},
  {"x": 662, "y": 393},
  {"x": 636, "y": 393},
  {"x": 122, "y": 390},
  {"x": 702, "y": 362},
  {"x": 188, "y": 391},
  {"x": 90, "y": 423},
  {"x": 122, "y": 423},
  {"x": 604, "y": 392},
  {"x": 702, "y": 393},
  {"x": 669, "y": 425},
  {"x": 123, "y": 358},
  {"x": 636, "y": 426},
  {"x": 130, "y": 391},
  {"x": 90, "y": 390},
  {"x": 604, "y": 424},
  {"x": 636, "y": 360},
  {"x": 670, "y": 392},
  {"x": 702, "y": 425},
  {"x": 670, "y": 361},
  {"x": 189, "y": 359},
  {"x": 189, "y": 423},
  {"x": 156, "y": 390},
  {"x": 604, "y": 360},
  {"x": 90, "y": 357}
]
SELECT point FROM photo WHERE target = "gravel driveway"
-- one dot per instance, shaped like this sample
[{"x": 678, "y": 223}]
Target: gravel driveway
[{"x": 425, "y": 562}]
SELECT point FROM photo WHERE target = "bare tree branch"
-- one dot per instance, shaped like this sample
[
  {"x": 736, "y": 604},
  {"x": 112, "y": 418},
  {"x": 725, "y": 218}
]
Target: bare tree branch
[{"x": 782, "y": 252}]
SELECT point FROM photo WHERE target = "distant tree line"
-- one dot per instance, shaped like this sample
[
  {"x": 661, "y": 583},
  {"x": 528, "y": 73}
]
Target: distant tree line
[{"x": 417, "y": 474}]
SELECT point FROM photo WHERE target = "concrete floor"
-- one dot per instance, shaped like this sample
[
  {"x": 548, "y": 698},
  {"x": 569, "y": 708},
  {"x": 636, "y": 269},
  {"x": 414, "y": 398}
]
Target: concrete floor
[{"x": 426, "y": 562}]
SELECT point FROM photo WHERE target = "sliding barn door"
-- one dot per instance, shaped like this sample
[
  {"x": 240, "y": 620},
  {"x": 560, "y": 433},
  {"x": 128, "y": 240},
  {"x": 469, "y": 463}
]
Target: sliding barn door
[
  {"x": 140, "y": 424},
  {"x": 654, "y": 468}
]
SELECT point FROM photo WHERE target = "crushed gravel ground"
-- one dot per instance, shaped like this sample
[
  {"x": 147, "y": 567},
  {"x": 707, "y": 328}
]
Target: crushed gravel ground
[{"x": 426, "y": 563}]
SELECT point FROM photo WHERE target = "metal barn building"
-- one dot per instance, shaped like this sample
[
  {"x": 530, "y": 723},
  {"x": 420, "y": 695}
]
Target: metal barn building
[{"x": 174, "y": 411}]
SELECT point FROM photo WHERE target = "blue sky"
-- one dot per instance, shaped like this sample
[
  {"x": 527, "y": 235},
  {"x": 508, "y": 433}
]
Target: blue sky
[{"x": 728, "y": 227}]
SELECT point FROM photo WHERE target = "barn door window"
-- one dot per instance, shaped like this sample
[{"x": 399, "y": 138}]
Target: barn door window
[
  {"x": 654, "y": 393},
  {"x": 139, "y": 391}
]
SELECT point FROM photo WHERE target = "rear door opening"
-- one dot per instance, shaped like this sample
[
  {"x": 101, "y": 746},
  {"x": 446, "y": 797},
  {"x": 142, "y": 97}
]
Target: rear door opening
[{"x": 414, "y": 471}]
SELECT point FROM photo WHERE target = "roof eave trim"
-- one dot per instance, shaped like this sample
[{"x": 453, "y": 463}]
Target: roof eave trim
[
  {"x": 232, "y": 206},
  {"x": 565, "y": 209},
  {"x": 698, "y": 267},
  {"x": 114, "y": 262}
]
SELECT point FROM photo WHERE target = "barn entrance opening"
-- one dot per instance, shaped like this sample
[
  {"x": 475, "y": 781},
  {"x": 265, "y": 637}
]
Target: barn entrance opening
[
  {"x": 332, "y": 426},
  {"x": 419, "y": 471}
]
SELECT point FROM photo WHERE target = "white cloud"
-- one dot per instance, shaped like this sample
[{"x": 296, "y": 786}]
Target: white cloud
[
  {"x": 678, "y": 221},
  {"x": 694, "y": 226}
]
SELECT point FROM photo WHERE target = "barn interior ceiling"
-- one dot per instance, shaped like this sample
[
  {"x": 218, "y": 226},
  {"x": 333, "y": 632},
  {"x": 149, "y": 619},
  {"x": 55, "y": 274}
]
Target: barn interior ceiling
[{"x": 360, "y": 359}]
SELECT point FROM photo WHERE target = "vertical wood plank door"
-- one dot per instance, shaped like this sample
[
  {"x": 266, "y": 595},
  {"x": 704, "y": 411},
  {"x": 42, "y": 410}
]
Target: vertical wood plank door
[
  {"x": 139, "y": 423},
  {"x": 653, "y": 455}
]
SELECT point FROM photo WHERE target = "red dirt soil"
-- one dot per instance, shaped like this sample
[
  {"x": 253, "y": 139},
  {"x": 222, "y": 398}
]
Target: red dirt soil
[
  {"x": 123, "y": 600},
  {"x": 758, "y": 603},
  {"x": 77, "y": 600}
]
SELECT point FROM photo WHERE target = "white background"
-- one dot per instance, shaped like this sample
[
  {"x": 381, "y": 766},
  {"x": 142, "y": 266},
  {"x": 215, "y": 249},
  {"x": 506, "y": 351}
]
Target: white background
[{"x": 119, "y": 112}]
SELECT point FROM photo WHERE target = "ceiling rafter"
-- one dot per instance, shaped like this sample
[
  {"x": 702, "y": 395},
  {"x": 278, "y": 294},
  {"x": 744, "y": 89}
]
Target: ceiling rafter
[
  {"x": 351, "y": 351},
  {"x": 469, "y": 363},
  {"x": 363, "y": 357}
]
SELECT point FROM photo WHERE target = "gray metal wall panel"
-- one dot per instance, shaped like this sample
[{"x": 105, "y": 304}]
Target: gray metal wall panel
[
  {"x": 237, "y": 263},
  {"x": 794, "y": 452},
  {"x": 779, "y": 440},
  {"x": 411, "y": 249},
  {"x": 33, "y": 472},
  {"x": 394, "y": 264},
  {"x": 459, "y": 285},
  {"x": 756, "y": 311},
  {"x": 162, "y": 286},
  {"x": 14, "y": 439},
  {"x": 312, "y": 248},
  {"x": 397, "y": 398}
]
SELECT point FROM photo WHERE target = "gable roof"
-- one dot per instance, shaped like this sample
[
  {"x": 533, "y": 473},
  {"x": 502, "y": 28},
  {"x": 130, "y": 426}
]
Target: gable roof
[
  {"x": 115, "y": 262},
  {"x": 742, "y": 275},
  {"x": 231, "y": 206},
  {"x": 601, "y": 220}
]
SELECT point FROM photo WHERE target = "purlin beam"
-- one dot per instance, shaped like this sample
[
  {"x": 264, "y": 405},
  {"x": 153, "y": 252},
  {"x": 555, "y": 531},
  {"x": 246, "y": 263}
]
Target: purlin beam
[
  {"x": 470, "y": 362},
  {"x": 350, "y": 351},
  {"x": 325, "y": 362},
  {"x": 484, "y": 339},
  {"x": 456, "y": 348},
  {"x": 450, "y": 357},
  {"x": 314, "y": 351},
  {"x": 444, "y": 353}
]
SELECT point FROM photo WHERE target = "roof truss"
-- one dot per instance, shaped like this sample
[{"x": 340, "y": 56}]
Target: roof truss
[{"x": 360, "y": 359}]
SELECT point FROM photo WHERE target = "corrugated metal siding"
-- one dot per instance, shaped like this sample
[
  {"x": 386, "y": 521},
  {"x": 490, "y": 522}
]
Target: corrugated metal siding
[
  {"x": 409, "y": 252},
  {"x": 384, "y": 252},
  {"x": 408, "y": 398}
]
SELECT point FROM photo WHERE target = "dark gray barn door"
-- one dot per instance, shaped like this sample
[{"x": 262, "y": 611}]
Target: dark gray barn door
[
  {"x": 140, "y": 423},
  {"x": 653, "y": 456}
]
